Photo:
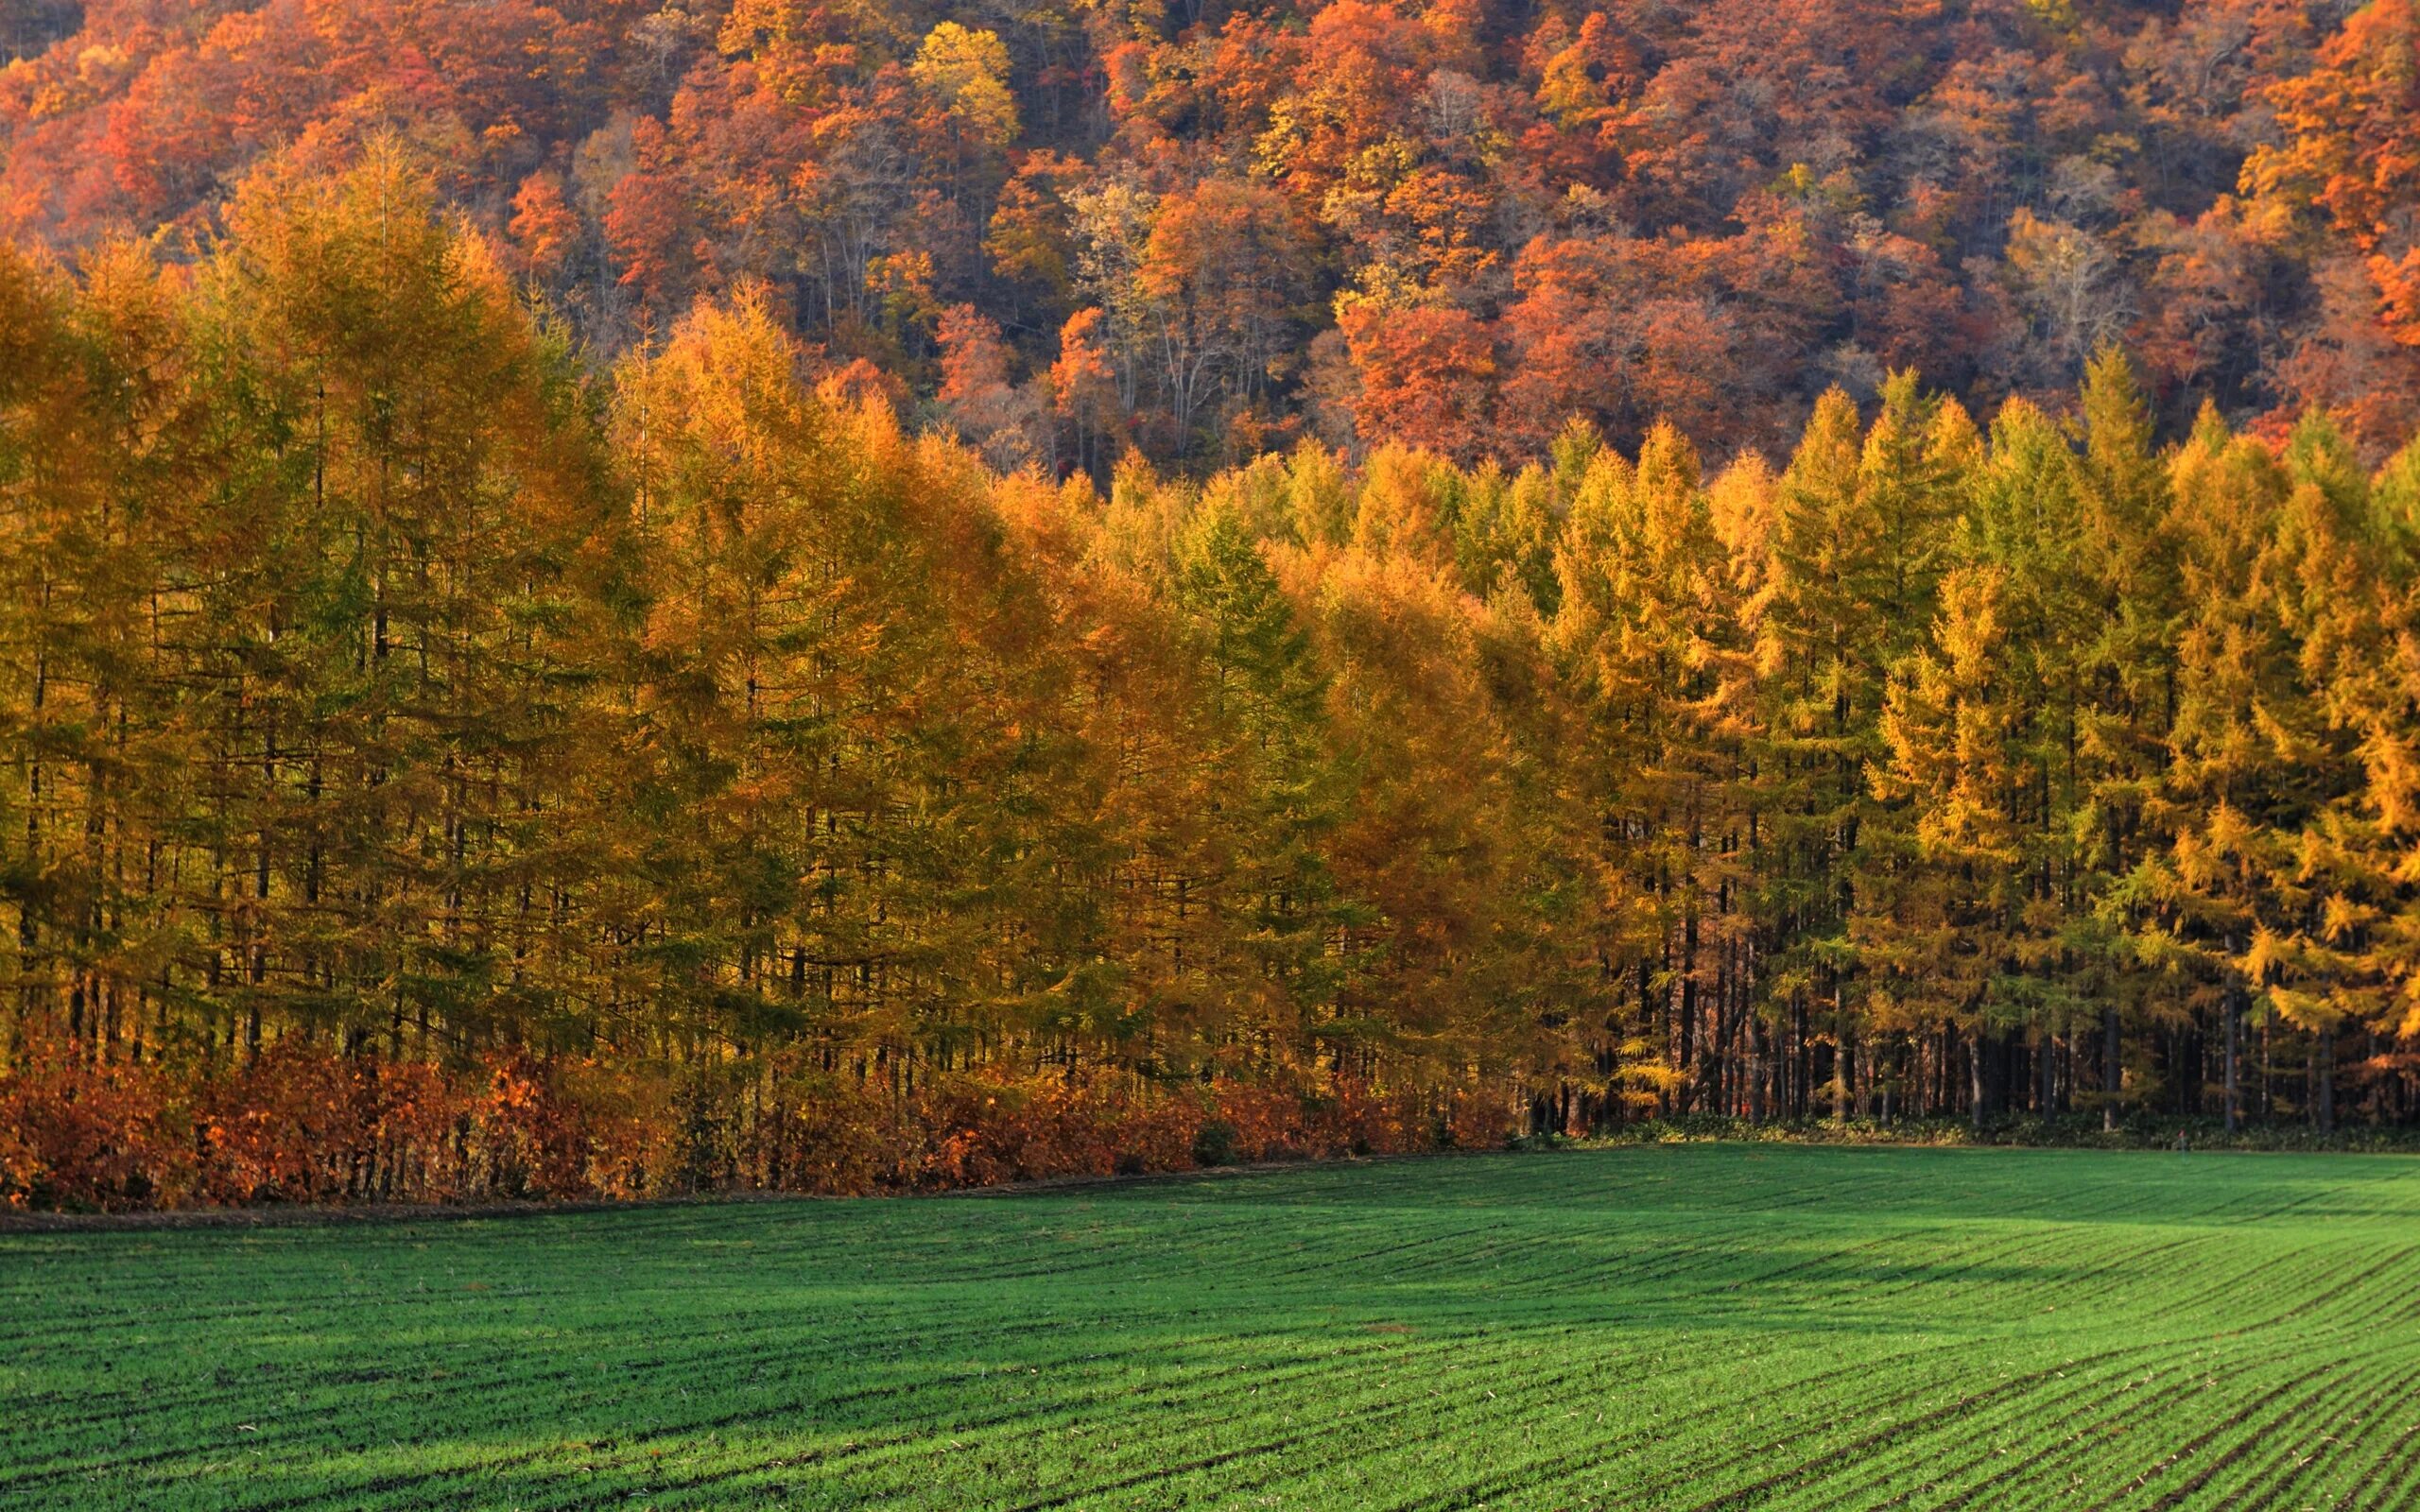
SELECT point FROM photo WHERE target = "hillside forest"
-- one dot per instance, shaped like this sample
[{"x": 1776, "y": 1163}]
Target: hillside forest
[
  {"x": 596, "y": 602},
  {"x": 1208, "y": 230}
]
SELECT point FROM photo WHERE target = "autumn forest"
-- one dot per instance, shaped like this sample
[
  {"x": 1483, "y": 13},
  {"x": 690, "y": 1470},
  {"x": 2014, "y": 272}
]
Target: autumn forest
[{"x": 609, "y": 602}]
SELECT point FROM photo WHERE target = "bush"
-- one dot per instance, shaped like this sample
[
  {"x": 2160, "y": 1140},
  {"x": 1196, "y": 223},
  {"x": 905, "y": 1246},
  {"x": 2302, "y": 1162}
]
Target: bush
[
  {"x": 2143, "y": 1131},
  {"x": 1215, "y": 1143},
  {"x": 307, "y": 1123}
]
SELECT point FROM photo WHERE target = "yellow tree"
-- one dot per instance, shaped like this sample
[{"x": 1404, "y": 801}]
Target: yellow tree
[
  {"x": 1948, "y": 945},
  {"x": 382, "y": 584},
  {"x": 1649, "y": 635}
]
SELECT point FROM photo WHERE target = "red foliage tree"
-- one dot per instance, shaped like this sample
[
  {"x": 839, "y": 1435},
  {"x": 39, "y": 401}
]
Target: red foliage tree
[{"x": 1427, "y": 378}]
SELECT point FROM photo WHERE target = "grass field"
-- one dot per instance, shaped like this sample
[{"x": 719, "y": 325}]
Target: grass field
[{"x": 1688, "y": 1327}]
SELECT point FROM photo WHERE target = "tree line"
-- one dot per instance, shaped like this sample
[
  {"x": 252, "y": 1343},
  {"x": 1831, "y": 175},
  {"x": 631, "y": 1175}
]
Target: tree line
[{"x": 383, "y": 684}]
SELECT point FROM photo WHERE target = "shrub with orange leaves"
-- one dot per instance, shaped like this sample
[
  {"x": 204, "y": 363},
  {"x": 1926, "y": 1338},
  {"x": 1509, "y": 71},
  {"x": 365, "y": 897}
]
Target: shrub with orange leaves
[
  {"x": 88, "y": 1136},
  {"x": 305, "y": 1122}
]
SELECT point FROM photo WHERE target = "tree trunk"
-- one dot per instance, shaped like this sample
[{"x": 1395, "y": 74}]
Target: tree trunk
[
  {"x": 1804, "y": 1098},
  {"x": 1844, "y": 1073},
  {"x": 1975, "y": 1079},
  {"x": 2323, "y": 1072},
  {"x": 2234, "y": 1052},
  {"x": 2111, "y": 1069},
  {"x": 2268, "y": 1098},
  {"x": 1758, "y": 1054}
]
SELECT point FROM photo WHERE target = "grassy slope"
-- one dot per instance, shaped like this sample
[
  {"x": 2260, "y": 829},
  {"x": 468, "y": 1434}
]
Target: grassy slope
[{"x": 1681, "y": 1327}]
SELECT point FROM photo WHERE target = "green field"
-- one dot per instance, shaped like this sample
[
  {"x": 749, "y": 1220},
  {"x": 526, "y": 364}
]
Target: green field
[{"x": 1696, "y": 1326}]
